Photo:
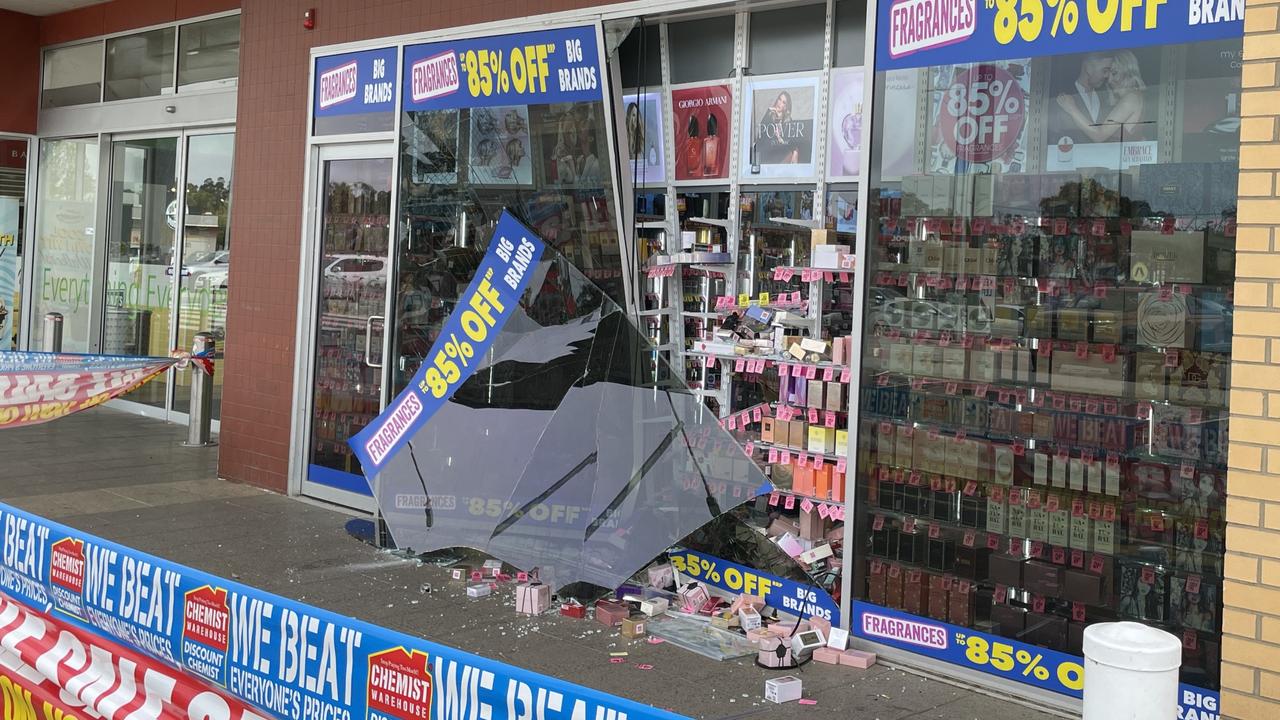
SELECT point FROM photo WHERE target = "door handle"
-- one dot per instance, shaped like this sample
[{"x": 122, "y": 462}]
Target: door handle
[{"x": 368, "y": 340}]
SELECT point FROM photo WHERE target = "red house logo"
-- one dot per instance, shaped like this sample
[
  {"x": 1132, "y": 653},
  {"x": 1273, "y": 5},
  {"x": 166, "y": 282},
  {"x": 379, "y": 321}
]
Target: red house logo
[{"x": 400, "y": 684}]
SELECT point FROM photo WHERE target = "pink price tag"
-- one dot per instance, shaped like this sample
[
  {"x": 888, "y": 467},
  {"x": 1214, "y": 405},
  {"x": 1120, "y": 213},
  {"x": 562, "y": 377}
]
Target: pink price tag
[
  {"x": 1059, "y": 226},
  {"x": 783, "y": 369},
  {"x": 970, "y": 537},
  {"x": 1059, "y": 402},
  {"x": 1172, "y": 358},
  {"x": 844, "y": 277},
  {"x": 1187, "y": 471},
  {"x": 1096, "y": 564},
  {"x": 1076, "y": 403},
  {"x": 935, "y": 531},
  {"x": 970, "y": 488},
  {"x": 784, "y": 458},
  {"x": 807, "y": 505},
  {"x": 750, "y": 448},
  {"x": 1001, "y": 593},
  {"x": 1148, "y": 576},
  {"x": 802, "y": 460},
  {"x": 909, "y": 525},
  {"x": 1077, "y": 559},
  {"x": 1166, "y": 293},
  {"x": 1059, "y": 556},
  {"x": 845, "y": 375},
  {"x": 1195, "y": 415},
  {"x": 777, "y": 273},
  {"x": 1144, "y": 411},
  {"x": 757, "y": 413},
  {"x": 828, "y": 374},
  {"x": 790, "y": 502},
  {"x": 952, "y": 388},
  {"x": 828, "y": 276},
  {"x": 829, "y": 419},
  {"x": 1082, "y": 350},
  {"x": 1037, "y": 549},
  {"x": 1037, "y": 603},
  {"x": 1193, "y": 584},
  {"x": 797, "y": 370},
  {"x": 1077, "y": 611},
  {"x": 811, "y": 372},
  {"x": 824, "y": 512},
  {"x": 993, "y": 542},
  {"x": 980, "y": 390},
  {"x": 1015, "y": 546},
  {"x": 914, "y": 478},
  {"x": 841, "y": 464},
  {"x": 1100, "y": 292},
  {"x": 732, "y": 422},
  {"x": 787, "y": 274},
  {"x": 1202, "y": 529},
  {"x": 773, "y": 499},
  {"x": 1099, "y": 228},
  {"x": 813, "y": 416},
  {"x": 1051, "y": 503}
]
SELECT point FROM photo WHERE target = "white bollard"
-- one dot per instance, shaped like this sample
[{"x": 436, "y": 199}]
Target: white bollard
[{"x": 1130, "y": 672}]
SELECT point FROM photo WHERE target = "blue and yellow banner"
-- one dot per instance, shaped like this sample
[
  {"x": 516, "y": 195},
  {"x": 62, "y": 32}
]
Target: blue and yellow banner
[
  {"x": 490, "y": 299},
  {"x": 799, "y": 599},
  {"x": 920, "y": 33},
  {"x": 280, "y": 657},
  {"x": 547, "y": 66}
]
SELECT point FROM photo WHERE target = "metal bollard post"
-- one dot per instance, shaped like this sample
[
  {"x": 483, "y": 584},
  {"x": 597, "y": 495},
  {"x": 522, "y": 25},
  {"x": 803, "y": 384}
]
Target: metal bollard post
[
  {"x": 1130, "y": 671},
  {"x": 201, "y": 412},
  {"x": 53, "y": 332}
]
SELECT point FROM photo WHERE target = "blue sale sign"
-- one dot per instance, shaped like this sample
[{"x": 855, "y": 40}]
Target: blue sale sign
[
  {"x": 353, "y": 83},
  {"x": 919, "y": 33},
  {"x": 481, "y": 312},
  {"x": 279, "y": 656},
  {"x": 547, "y": 66},
  {"x": 1007, "y": 658},
  {"x": 789, "y": 596}
]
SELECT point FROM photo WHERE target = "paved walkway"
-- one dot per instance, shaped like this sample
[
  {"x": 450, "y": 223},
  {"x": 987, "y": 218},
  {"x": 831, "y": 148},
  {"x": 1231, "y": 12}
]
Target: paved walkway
[{"x": 127, "y": 479}]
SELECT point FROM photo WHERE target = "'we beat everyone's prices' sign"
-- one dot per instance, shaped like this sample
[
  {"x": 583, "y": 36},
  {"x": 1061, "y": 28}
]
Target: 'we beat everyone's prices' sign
[
  {"x": 546, "y": 66},
  {"x": 920, "y": 33}
]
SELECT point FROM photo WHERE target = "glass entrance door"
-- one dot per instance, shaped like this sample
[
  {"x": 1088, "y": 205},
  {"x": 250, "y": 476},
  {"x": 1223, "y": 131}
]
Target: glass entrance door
[
  {"x": 141, "y": 242},
  {"x": 349, "y": 353}
]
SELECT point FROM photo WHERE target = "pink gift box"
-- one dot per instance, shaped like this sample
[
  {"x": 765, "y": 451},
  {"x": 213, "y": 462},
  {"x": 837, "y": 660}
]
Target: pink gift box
[
  {"x": 532, "y": 598},
  {"x": 661, "y": 577},
  {"x": 822, "y": 625},
  {"x": 827, "y": 655},
  {"x": 692, "y": 597},
  {"x": 610, "y": 613},
  {"x": 753, "y": 601},
  {"x": 755, "y": 636},
  {"x": 857, "y": 658},
  {"x": 775, "y": 653}
]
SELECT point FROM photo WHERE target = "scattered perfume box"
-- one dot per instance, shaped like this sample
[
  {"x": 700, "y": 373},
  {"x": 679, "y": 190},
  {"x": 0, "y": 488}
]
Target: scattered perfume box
[
  {"x": 784, "y": 689},
  {"x": 532, "y": 598},
  {"x": 857, "y": 659},
  {"x": 632, "y": 628},
  {"x": 654, "y": 606},
  {"x": 611, "y": 613},
  {"x": 479, "y": 590},
  {"x": 827, "y": 656},
  {"x": 573, "y": 609},
  {"x": 775, "y": 653}
]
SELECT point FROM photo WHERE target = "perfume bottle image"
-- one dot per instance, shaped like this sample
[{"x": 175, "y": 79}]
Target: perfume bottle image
[
  {"x": 693, "y": 148},
  {"x": 710, "y": 148}
]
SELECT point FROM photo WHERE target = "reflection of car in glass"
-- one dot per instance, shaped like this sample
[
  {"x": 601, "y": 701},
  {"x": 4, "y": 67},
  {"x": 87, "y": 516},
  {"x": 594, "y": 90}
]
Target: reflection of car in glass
[{"x": 363, "y": 269}]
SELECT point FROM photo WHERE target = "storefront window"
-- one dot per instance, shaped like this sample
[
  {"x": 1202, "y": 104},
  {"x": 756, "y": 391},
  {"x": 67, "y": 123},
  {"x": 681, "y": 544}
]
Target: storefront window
[
  {"x": 13, "y": 175},
  {"x": 1047, "y": 345},
  {"x": 72, "y": 75},
  {"x": 209, "y": 53},
  {"x": 140, "y": 65},
  {"x": 548, "y": 163},
  {"x": 783, "y": 40},
  {"x": 64, "y": 239}
]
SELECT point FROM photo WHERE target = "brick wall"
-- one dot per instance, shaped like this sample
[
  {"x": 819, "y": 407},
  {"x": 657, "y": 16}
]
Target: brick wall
[
  {"x": 22, "y": 61},
  {"x": 266, "y": 222},
  {"x": 1251, "y": 618},
  {"x": 121, "y": 15}
]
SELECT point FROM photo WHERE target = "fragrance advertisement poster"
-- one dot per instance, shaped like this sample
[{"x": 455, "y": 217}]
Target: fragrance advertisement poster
[
  {"x": 644, "y": 138},
  {"x": 978, "y": 117},
  {"x": 500, "y": 146},
  {"x": 779, "y": 140},
  {"x": 921, "y": 33},
  {"x": 355, "y": 92},
  {"x": 844, "y": 129},
  {"x": 1211, "y": 105},
  {"x": 8, "y": 270},
  {"x": 1102, "y": 110},
  {"x": 702, "y": 120},
  {"x": 572, "y": 151}
]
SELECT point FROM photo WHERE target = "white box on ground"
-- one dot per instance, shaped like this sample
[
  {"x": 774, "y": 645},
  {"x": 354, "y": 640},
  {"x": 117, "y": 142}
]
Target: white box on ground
[{"x": 782, "y": 689}]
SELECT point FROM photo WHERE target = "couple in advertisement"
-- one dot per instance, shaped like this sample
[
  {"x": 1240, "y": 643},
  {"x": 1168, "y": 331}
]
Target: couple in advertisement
[{"x": 1107, "y": 100}]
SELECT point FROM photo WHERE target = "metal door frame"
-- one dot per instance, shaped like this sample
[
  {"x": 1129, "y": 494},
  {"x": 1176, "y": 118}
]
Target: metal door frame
[
  {"x": 309, "y": 313},
  {"x": 106, "y": 215}
]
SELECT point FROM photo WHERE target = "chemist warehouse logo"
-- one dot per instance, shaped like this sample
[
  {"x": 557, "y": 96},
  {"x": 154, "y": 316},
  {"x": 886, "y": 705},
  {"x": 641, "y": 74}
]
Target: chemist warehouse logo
[
  {"x": 66, "y": 576},
  {"x": 206, "y": 624},
  {"x": 399, "y": 685}
]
